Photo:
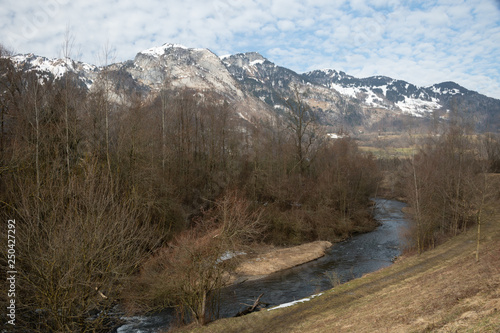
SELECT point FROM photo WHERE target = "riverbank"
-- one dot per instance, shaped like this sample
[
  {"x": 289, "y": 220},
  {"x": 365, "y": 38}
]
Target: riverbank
[
  {"x": 363, "y": 253},
  {"x": 266, "y": 259},
  {"x": 259, "y": 265},
  {"x": 442, "y": 290}
]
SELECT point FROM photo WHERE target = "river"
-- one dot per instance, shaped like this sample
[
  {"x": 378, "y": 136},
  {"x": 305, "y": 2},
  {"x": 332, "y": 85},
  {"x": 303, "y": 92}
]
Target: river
[{"x": 360, "y": 254}]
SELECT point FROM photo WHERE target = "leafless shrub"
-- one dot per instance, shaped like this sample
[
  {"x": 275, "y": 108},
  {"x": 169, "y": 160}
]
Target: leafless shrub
[{"x": 190, "y": 272}]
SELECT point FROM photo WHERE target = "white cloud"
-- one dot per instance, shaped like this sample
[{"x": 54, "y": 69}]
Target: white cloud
[
  {"x": 286, "y": 25},
  {"x": 420, "y": 42}
]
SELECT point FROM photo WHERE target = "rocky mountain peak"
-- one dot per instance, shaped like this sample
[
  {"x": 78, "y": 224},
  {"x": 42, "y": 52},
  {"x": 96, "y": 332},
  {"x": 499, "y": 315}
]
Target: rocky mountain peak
[
  {"x": 177, "y": 50},
  {"x": 158, "y": 51},
  {"x": 181, "y": 66},
  {"x": 245, "y": 59}
]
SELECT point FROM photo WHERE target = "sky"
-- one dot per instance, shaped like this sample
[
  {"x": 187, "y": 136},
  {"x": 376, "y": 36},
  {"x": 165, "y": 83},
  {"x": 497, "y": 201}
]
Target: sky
[{"x": 422, "y": 42}]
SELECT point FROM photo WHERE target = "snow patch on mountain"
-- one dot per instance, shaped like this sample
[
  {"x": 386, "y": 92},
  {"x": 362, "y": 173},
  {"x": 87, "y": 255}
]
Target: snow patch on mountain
[
  {"x": 257, "y": 62},
  {"x": 158, "y": 51},
  {"x": 56, "y": 67},
  {"x": 346, "y": 90},
  {"x": 441, "y": 91},
  {"x": 418, "y": 107},
  {"x": 365, "y": 94}
]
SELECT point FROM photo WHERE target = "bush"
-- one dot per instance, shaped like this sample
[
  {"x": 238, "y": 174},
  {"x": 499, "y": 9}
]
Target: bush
[{"x": 190, "y": 272}]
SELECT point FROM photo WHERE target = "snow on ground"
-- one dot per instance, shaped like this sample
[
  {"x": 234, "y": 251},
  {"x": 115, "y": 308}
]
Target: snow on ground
[
  {"x": 373, "y": 100},
  {"x": 285, "y": 305},
  {"x": 384, "y": 89},
  {"x": 229, "y": 255},
  {"x": 334, "y": 136}
]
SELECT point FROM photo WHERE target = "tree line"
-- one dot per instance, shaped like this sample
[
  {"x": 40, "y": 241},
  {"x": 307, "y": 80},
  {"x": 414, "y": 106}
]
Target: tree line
[{"x": 447, "y": 182}]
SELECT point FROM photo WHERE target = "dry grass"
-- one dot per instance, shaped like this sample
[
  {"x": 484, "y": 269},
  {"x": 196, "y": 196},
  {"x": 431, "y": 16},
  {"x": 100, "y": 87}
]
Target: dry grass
[
  {"x": 443, "y": 290},
  {"x": 389, "y": 145},
  {"x": 392, "y": 152}
]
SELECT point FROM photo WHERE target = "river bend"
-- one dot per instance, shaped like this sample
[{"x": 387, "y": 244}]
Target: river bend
[{"x": 360, "y": 254}]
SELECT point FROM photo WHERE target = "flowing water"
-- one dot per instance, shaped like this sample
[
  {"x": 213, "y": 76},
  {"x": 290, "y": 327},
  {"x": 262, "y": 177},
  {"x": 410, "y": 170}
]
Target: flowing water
[{"x": 344, "y": 261}]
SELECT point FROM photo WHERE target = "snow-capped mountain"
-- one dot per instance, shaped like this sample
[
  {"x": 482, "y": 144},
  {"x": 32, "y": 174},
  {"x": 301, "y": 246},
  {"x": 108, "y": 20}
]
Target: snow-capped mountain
[
  {"x": 56, "y": 68},
  {"x": 384, "y": 92},
  {"x": 169, "y": 66},
  {"x": 177, "y": 66},
  {"x": 381, "y": 92},
  {"x": 377, "y": 91},
  {"x": 257, "y": 87},
  {"x": 274, "y": 84},
  {"x": 339, "y": 98}
]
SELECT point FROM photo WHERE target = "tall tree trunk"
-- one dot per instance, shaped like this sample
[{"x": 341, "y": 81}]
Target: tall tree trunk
[
  {"x": 37, "y": 149},
  {"x": 417, "y": 208}
]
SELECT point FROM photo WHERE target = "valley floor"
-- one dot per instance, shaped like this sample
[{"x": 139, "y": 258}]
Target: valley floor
[{"x": 441, "y": 290}]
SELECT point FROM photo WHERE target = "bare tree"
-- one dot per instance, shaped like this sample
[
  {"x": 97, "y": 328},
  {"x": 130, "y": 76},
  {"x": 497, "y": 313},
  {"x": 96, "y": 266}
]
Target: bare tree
[
  {"x": 66, "y": 50},
  {"x": 164, "y": 106},
  {"x": 441, "y": 187},
  {"x": 190, "y": 273},
  {"x": 301, "y": 121},
  {"x": 104, "y": 86},
  {"x": 6, "y": 71}
]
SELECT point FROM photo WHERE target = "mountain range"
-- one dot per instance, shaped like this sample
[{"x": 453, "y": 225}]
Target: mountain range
[{"x": 257, "y": 88}]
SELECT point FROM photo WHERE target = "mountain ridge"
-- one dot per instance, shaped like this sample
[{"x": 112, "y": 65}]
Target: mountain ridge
[{"x": 253, "y": 80}]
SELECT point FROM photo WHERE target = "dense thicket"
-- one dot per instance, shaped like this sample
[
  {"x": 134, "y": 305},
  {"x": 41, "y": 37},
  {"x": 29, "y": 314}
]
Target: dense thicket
[
  {"x": 97, "y": 185},
  {"x": 445, "y": 183}
]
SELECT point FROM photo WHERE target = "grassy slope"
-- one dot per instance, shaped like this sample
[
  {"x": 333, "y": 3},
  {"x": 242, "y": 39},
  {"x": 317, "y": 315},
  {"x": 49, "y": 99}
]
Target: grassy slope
[{"x": 442, "y": 290}]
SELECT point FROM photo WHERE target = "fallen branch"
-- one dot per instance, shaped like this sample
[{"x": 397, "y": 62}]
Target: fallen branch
[{"x": 255, "y": 307}]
